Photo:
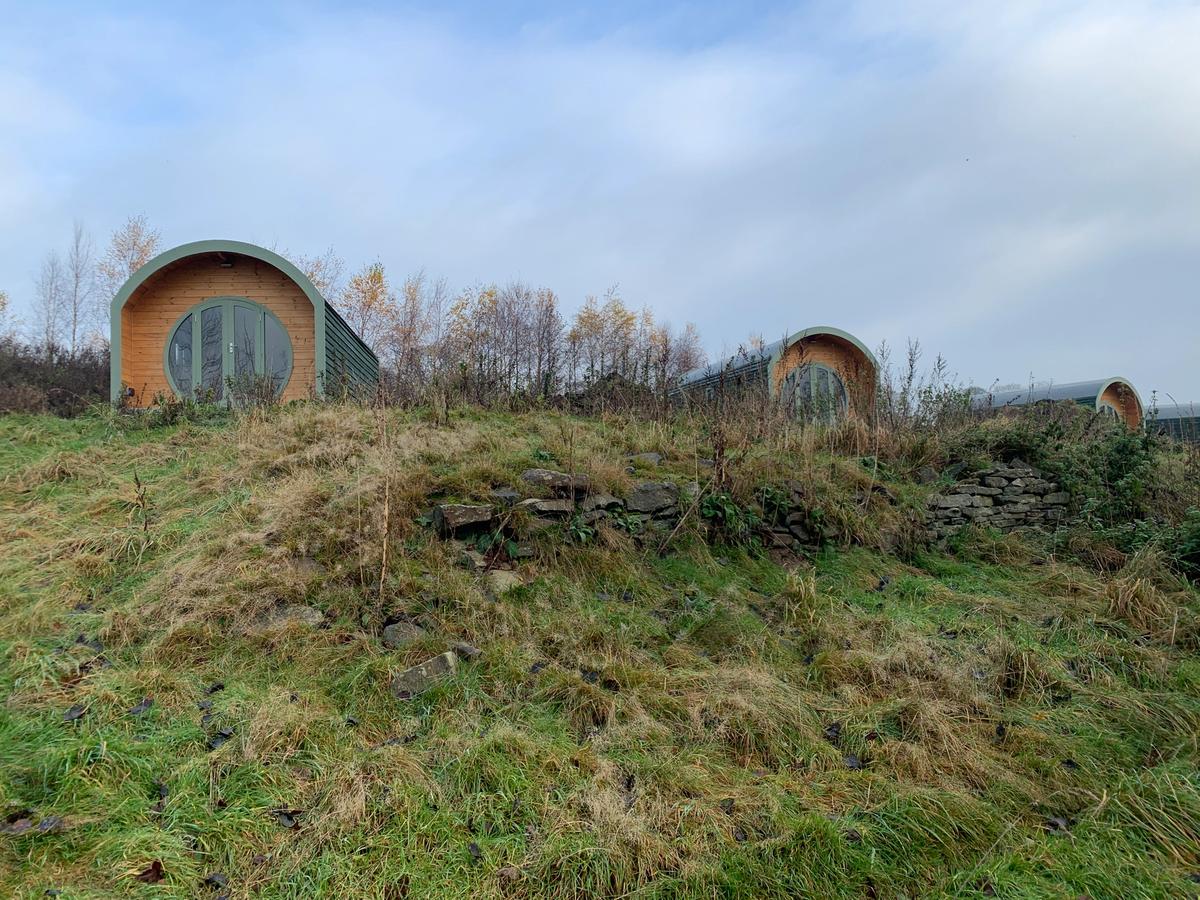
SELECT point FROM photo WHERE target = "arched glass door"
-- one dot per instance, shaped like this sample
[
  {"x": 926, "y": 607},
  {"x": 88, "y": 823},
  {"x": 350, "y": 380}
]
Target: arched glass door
[
  {"x": 227, "y": 340},
  {"x": 817, "y": 392}
]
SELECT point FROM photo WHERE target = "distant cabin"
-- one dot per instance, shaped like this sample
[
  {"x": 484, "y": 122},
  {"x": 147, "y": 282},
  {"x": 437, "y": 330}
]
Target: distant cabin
[
  {"x": 1113, "y": 397},
  {"x": 1178, "y": 420},
  {"x": 207, "y": 315},
  {"x": 818, "y": 373}
]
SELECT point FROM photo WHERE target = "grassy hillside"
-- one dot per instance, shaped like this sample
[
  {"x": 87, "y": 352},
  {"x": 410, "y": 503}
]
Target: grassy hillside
[{"x": 651, "y": 716}]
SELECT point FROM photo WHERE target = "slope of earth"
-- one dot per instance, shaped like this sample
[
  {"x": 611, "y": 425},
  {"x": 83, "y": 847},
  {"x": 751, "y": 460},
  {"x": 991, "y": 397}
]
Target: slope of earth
[{"x": 197, "y": 693}]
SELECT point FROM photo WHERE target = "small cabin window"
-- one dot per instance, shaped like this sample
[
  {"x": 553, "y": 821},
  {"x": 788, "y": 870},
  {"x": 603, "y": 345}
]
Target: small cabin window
[{"x": 227, "y": 338}]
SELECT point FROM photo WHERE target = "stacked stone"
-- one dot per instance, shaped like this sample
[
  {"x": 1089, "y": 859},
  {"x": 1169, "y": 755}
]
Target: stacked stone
[
  {"x": 1004, "y": 497},
  {"x": 791, "y": 529},
  {"x": 649, "y": 505}
]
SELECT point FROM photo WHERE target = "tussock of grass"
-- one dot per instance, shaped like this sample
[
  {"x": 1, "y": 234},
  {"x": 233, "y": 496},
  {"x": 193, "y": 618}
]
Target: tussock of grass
[{"x": 648, "y": 718}]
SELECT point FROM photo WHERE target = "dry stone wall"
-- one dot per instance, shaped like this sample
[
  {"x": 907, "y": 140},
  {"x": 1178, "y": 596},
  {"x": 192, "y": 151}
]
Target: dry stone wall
[{"x": 1004, "y": 497}]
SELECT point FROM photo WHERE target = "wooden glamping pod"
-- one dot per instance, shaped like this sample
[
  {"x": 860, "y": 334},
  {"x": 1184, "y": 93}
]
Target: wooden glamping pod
[
  {"x": 205, "y": 316},
  {"x": 1115, "y": 397},
  {"x": 819, "y": 372}
]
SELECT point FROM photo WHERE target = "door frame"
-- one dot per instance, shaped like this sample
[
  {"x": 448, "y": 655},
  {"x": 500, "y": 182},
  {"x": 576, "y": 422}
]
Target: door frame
[{"x": 227, "y": 305}]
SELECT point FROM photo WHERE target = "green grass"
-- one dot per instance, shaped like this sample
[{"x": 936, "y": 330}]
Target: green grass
[{"x": 1026, "y": 727}]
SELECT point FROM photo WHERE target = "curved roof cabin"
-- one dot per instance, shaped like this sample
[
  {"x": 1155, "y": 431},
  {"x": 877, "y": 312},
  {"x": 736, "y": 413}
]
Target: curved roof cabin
[
  {"x": 1178, "y": 420},
  {"x": 818, "y": 372},
  {"x": 209, "y": 317},
  {"x": 1116, "y": 397}
]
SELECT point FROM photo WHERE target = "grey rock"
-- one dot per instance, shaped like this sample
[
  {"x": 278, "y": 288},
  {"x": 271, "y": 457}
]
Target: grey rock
[
  {"x": 780, "y": 541},
  {"x": 979, "y": 490},
  {"x": 466, "y": 651},
  {"x": 501, "y": 581},
  {"x": 995, "y": 481},
  {"x": 647, "y": 459},
  {"x": 954, "y": 501},
  {"x": 401, "y": 634},
  {"x": 450, "y": 517},
  {"x": 926, "y": 475},
  {"x": 293, "y": 612},
  {"x": 563, "y": 507},
  {"x": 599, "y": 501},
  {"x": 504, "y": 496},
  {"x": 652, "y": 496},
  {"x": 559, "y": 483},
  {"x": 413, "y": 681},
  {"x": 983, "y": 501},
  {"x": 1058, "y": 498},
  {"x": 472, "y": 560}
]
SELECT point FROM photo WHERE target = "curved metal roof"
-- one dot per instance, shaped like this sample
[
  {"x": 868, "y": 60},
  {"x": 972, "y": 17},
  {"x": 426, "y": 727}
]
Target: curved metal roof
[
  {"x": 1085, "y": 392},
  {"x": 771, "y": 353},
  {"x": 1171, "y": 411},
  {"x": 195, "y": 248}
]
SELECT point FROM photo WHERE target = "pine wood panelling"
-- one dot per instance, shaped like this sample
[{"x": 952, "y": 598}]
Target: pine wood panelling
[
  {"x": 1123, "y": 400},
  {"x": 155, "y": 307},
  {"x": 848, "y": 361}
]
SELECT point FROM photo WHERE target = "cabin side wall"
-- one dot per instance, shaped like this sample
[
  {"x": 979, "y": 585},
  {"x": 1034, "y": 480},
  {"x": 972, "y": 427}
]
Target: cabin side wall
[
  {"x": 855, "y": 370},
  {"x": 152, "y": 311},
  {"x": 1122, "y": 399}
]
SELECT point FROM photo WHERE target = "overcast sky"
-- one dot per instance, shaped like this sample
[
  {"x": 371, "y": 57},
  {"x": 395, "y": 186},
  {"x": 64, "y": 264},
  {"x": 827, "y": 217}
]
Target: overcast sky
[{"x": 1015, "y": 184}]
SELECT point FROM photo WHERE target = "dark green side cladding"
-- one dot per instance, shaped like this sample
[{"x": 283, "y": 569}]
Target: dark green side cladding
[{"x": 350, "y": 366}]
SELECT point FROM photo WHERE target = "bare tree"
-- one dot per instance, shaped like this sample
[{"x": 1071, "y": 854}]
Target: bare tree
[
  {"x": 369, "y": 306},
  {"x": 50, "y": 291},
  {"x": 324, "y": 271},
  {"x": 131, "y": 247},
  {"x": 80, "y": 278}
]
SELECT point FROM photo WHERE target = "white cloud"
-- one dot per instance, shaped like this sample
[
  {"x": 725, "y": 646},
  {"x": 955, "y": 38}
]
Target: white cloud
[{"x": 987, "y": 178}]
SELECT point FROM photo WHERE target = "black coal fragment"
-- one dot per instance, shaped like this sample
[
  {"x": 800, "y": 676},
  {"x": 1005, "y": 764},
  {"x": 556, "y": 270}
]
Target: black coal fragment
[
  {"x": 216, "y": 880},
  {"x": 153, "y": 873},
  {"x": 146, "y": 703},
  {"x": 220, "y": 738},
  {"x": 288, "y": 818},
  {"x": 1057, "y": 824}
]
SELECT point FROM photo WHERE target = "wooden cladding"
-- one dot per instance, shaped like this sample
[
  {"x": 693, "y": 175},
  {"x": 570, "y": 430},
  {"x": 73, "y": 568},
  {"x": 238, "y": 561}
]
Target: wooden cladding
[
  {"x": 851, "y": 365},
  {"x": 155, "y": 307}
]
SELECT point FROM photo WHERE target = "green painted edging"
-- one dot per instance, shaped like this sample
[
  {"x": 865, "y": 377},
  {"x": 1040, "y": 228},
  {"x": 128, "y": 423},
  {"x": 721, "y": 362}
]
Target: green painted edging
[
  {"x": 138, "y": 278},
  {"x": 816, "y": 331},
  {"x": 215, "y": 301}
]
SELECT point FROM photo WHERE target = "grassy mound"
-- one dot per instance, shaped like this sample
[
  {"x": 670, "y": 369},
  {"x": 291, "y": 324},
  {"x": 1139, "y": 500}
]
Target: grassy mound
[{"x": 651, "y": 716}]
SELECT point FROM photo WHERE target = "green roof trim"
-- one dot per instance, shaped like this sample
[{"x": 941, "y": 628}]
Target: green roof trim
[{"x": 367, "y": 364}]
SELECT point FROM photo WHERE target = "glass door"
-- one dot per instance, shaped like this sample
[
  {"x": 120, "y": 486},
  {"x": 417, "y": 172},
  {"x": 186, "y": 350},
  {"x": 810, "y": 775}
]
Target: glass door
[{"x": 228, "y": 341}]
